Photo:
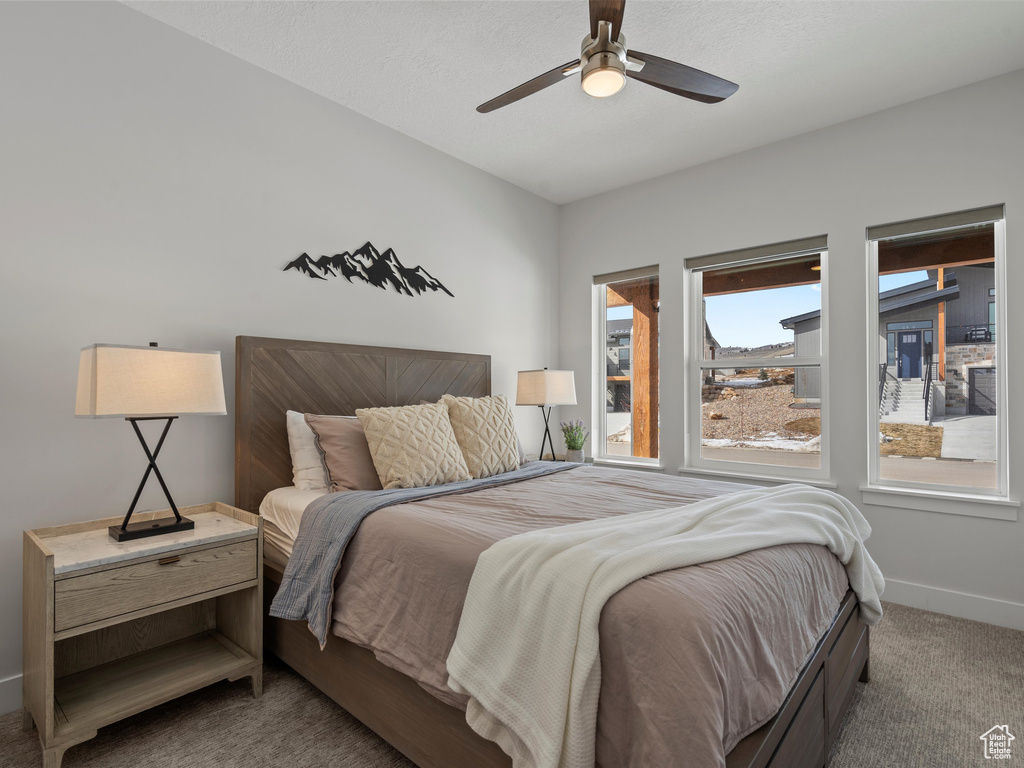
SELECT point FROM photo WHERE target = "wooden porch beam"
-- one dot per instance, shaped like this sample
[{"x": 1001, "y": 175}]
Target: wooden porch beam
[
  {"x": 940, "y": 332},
  {"x": 962, "y": 251},
  {"x": 765, "y": 276},
  {"x": 643, "y": 296}
]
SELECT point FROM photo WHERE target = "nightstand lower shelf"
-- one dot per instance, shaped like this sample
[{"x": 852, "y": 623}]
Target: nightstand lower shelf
[{"x": 102, "y": 695}]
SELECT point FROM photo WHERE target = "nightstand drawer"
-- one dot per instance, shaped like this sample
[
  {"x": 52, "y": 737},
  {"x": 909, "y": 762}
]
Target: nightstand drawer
[{"x": 103, "y": 595}]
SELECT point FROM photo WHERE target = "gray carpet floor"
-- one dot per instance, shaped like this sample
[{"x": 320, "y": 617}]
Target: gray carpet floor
[{"x": 937, "y": 684}]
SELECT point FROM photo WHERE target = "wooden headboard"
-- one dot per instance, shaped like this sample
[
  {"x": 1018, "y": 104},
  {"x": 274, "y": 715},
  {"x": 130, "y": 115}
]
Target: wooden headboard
[{"x": 277, "y": 375}]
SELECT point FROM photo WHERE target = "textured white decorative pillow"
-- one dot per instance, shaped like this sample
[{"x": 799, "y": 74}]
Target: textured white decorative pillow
[
  {"x": 413, "y": 445},
  {"x": 308, "y": 473},
  {"x": 486, "y": 433}
]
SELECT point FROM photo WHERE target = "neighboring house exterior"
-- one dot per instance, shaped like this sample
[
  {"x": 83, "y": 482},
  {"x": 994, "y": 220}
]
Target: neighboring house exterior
[
  {"x": 619, "y": 357},
  {"x": 949, "y": 329},
  {"x": 806, "y": 341}
]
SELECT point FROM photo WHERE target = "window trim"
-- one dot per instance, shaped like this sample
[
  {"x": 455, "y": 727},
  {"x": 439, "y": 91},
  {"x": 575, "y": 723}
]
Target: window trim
[
  {"x": 693, "y": 351},
  {"x": 945, "y": 502},
  {"x": 957, "y": 220},
  {"x": 598, "y": 376},
  {"x": 934, "y": 496},
  {"x": 761, "y": 253}
]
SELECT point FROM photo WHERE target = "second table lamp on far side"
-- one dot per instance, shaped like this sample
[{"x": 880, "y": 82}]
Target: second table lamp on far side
[{"x": 546, "y": 389}]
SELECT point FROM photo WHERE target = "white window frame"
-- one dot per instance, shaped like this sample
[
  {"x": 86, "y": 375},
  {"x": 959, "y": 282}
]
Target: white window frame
[
  {"x": 599, "y": 376},
  {"x": 695, "y": 364},
  {"x": 935, "y": 496}
]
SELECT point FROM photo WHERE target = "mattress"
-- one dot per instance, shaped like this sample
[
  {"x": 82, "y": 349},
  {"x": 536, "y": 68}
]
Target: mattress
[{"x": 281, "y": 510}]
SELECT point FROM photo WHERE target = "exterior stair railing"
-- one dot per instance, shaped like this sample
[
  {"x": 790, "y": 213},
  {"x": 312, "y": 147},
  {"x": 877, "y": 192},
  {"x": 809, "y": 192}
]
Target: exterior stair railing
[
  {"x": 889, "y": 389},
  {"x": 931, "y": 373}
]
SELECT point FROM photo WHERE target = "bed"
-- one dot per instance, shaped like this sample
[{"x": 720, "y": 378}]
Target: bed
[{"x": 273, "y": 375}]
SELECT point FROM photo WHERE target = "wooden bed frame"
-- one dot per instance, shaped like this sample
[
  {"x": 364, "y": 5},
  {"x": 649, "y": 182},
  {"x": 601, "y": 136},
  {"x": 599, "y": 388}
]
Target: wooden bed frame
[{"x": 275, "y": 375}]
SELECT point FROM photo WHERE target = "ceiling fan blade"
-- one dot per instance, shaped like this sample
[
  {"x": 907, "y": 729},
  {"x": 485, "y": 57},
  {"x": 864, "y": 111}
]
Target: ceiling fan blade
[
  {"x": 530, "y": 86},
  {"x": 607, "y": 10},
  {"x": 681, "y": 80}
]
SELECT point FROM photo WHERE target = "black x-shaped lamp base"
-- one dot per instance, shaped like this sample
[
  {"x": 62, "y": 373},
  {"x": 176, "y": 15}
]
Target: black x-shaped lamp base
[
  {"x": 128, "y": 531},
  {"x": 547, "y": 435}
]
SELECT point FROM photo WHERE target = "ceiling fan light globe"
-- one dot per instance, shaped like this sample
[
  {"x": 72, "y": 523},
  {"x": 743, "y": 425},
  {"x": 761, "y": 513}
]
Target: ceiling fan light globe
[{"x": 603, "y": 82}]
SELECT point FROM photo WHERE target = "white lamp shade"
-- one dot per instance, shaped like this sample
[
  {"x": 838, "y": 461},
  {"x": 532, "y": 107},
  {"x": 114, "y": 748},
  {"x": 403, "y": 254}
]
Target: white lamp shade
[
  {"x": 546, "y": 388},
  {"x": 125, "y": 381}
]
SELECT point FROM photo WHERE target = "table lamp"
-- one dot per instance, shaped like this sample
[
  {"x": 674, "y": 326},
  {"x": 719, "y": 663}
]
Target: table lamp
[
  {"x": 148, "y": 384},
  {"x": 546, "y": 389}
]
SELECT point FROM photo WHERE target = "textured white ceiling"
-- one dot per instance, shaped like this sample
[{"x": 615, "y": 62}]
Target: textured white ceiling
[{"x": 422, "y": 67}]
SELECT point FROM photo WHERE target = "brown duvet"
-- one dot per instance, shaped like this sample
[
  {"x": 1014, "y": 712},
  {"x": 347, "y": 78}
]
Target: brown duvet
[{"x": 692, "y": 660}]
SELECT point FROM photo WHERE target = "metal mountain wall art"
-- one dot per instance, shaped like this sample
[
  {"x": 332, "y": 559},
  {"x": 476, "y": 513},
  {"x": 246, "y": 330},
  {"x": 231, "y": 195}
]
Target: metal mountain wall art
[{"x": 370, "y": 266}]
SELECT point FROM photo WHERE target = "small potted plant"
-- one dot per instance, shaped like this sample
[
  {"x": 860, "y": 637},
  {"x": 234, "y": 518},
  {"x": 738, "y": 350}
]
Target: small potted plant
[{"x": 575, "y": 435}]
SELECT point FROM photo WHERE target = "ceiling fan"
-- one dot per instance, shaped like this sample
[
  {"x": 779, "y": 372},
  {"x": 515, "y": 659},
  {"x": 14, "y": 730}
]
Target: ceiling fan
[{"x": 605, "y": 63}]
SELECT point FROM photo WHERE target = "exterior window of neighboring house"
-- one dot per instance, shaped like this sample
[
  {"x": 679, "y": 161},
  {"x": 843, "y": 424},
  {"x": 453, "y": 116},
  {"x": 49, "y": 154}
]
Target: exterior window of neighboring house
[
  {"x": 992, "y": 312},
  {"x": 756, "y": 379},
  {"x": 627, "y": 304},
  {"x": 938, "y": 380}
]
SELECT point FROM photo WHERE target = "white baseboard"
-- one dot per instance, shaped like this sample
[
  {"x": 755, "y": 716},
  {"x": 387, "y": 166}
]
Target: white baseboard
[
  {"x": 10, "y": 694},
  {"x": 975, "y": 607}
]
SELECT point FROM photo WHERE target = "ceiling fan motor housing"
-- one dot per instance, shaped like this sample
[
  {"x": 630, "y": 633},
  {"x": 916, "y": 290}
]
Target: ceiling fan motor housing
[{"x": 602, "y": 44}]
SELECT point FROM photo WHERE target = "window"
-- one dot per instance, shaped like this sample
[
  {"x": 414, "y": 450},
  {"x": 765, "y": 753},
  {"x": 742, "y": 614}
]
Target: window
[
  {"x": 936, "y": 420},
  {"x": 756, "y": 380},
  {"x": 909, "y": 325},
  {"x": 627, "y": 326}
]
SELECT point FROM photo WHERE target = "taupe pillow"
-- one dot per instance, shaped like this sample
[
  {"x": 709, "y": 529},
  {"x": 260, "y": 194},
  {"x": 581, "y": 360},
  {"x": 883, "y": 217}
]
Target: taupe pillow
[
  {"x": 344, "y": 452},
  {"x": 413, "y": 445},
  {"x": 486, "y": 433}
]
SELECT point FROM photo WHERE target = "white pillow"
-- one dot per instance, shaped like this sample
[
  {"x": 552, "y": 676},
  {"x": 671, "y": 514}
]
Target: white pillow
[{"x": 308, "y": 473}]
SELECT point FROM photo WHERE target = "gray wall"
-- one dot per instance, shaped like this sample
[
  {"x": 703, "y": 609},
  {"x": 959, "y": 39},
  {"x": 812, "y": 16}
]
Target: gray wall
[
  {"x": 152, "y": 189},
  {"x": 954, "y": 151}
]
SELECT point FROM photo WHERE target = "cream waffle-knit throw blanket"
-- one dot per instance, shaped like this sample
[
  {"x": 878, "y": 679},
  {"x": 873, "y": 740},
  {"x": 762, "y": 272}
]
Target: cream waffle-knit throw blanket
[{"x": 526, "y": 651}]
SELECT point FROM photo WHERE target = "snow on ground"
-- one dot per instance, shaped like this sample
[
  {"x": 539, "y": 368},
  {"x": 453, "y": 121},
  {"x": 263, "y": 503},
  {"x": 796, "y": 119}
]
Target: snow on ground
[
  {"x": 769, "y": 442},
  {"x": 624, "y": 435}
]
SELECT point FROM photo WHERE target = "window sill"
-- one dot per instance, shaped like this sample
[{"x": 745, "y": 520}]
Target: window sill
[
  {"x": 625, "y": 462},
  {"x": 945, "y": 502},
  {"x": 754, "y": 478}
]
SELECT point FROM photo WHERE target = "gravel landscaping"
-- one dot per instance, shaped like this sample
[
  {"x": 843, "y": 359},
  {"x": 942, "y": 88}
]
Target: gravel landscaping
[
  {"x": 742, "y": 414},
  {"x": 764, "y": 413}
]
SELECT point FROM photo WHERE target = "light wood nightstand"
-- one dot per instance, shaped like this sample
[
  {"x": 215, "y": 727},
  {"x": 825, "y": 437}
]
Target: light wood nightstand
[{"x": 112, "y": 629}]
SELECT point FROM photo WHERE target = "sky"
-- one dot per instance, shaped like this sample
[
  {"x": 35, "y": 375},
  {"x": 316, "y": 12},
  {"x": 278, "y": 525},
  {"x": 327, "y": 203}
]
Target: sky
[
  {"x": 888, "y": 282},
  {"x": 752, "y": 319}
]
